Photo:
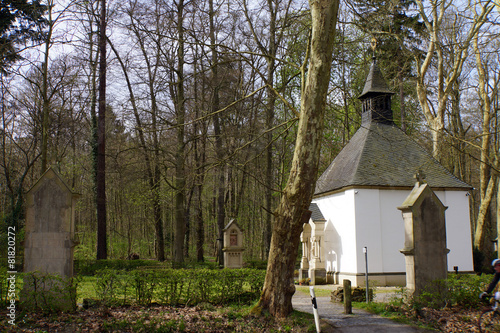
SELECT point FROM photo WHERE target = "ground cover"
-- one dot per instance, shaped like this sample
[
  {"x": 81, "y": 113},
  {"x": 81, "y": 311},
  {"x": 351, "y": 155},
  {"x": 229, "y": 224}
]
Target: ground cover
[{"x": 151, "y": 319}]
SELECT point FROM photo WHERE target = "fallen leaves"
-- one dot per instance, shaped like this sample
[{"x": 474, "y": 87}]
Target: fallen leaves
[{"x": 150, "y": 319}]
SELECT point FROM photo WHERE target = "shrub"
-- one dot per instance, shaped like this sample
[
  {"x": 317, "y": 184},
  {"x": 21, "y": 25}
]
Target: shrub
[
  {"x": 256, "y": 264},
  {"x": 90, "y": 267},
  {"x": 179, "y": 286},
  {"x": 112, "y": 286},
  {"x": 3, "y": 287},
  {"x": 458, "y": 289},
  {"x": 48, "y": 293}
]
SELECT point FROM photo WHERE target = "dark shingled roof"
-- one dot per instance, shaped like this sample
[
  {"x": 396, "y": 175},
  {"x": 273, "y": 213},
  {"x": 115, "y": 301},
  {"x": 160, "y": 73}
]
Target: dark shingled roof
[
  {"x": 316, "y": 213},
  {"x": 382, "y": 155},
  {"x": 375, "y": 83}
]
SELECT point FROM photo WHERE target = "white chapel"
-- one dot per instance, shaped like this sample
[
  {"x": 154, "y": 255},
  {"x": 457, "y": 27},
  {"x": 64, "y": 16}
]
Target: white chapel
[{"x": 355, "y": 205}]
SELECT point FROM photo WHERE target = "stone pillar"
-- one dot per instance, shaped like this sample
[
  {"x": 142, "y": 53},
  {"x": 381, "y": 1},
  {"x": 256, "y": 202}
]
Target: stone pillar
[
  {"x": 50, "y": 237},
  {"x": 317, "y": 267},
  {"x": 233, "y": 245},
  {"x": 425, "y": 240},
  {"x": 306, "y": 252}
]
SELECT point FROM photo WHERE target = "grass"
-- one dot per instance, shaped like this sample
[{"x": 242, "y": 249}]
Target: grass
[
  {"x": 86, "y": 289},
  {"x": 319, "y": 291}
]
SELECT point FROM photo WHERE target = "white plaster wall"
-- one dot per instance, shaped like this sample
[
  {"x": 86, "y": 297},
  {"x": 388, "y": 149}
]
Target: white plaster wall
[
  {"x": 458, "y": 229},
  {"x": 340, "y": 231},
  {"x": 368, "y": 220},
  {"x": 393, "y": 229},
  {"x": 378, "y": 225}
]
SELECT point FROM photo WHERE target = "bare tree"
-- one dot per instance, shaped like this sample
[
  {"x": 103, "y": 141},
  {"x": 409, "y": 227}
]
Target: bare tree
[
  {"x": 434, "y": 109},
  {"x": 102, "y": 238}
]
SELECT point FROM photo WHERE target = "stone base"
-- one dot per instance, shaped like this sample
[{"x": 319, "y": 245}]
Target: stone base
[
  {"x": 316, "y": 275},
  {"x": 303, "y": 274}
]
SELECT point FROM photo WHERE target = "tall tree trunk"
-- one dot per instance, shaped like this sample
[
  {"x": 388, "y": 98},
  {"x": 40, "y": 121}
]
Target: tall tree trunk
[
  {"x": 488, "y": 179},
  {"x": 102, "y": 248},
  {"x": 180, "y": 172},
  {"x": 292, "y": 211},
  {"x": 220, "y": 170},
  {"x": 45, "y": 91}
]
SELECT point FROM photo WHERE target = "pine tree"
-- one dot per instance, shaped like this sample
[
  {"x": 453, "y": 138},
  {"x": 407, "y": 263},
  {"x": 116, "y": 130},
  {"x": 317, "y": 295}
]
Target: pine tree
[
  {"x": 20, "y": 21},
  {"x": 396, "y": 32}
]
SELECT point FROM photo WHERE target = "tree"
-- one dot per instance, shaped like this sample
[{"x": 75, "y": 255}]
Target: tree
[
  {"x": 20, "y": 21},
  {"x": 268, "y": 42},
  {"x": 434, "y": 107},
  {"x": 396, "y": 30},
  {"x": 488, "y": 87},
  {"x": 102, "y": 238},
  {"x": 296, "y": 197}
]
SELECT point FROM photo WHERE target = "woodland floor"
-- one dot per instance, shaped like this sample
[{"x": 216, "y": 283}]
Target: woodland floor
[
  {"x": 155, "y": 319},
  {"x": 210, "y": 319}
]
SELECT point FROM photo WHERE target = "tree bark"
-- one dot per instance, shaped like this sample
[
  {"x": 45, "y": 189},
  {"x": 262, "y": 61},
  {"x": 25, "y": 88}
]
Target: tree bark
[
  {"x": 180, "y": 172},
  {"x": 293, "y": 208},
  {"x": 102, "y": 247}
]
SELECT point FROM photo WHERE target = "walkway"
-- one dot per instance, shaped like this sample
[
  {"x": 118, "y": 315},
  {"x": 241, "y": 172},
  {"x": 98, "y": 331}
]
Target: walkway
[{"x": 361, "y": 321}]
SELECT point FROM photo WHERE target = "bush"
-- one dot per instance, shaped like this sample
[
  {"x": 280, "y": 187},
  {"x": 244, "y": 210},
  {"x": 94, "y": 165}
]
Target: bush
[
  {"x": 3, "y": 287},
  {"x": 112, "y": 286},
  {"x": 178, "y": 286},
  {"x": 458, "y": 290},
  {"x": 48, "y": 293},
  {"x": 90, "y": 267},
  {"x": 256, "y": 264}
]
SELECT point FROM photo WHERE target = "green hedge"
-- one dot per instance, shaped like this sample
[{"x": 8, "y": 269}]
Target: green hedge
[
  {"x": 90, "y": 267},
  {"x": 178, "y": 286}
]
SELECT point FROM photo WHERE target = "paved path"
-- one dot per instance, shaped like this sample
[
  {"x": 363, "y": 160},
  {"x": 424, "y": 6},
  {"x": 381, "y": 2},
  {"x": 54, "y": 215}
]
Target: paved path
[{"x": 361, "y": 321}]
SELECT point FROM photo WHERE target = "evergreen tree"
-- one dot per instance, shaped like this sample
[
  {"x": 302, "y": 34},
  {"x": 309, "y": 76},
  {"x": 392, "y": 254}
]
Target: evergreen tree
[
  {"x": 20, "y": 21},
  {"x": 396, "y": 32}
]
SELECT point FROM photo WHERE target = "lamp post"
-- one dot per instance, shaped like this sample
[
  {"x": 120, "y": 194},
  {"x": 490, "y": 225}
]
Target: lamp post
[{"x": 365, "y": 251}]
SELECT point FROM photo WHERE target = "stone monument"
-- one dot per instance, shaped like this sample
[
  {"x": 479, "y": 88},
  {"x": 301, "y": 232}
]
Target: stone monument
[
  {"x": 49, "y": 234},
  {"x": 317, "y": 260},
  {"x": 233, "y": 245},
  {"x": 425, "y": 238},
  {"x": 305, "y": 237}
]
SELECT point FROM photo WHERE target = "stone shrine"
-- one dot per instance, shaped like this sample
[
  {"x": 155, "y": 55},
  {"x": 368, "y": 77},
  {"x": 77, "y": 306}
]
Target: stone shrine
[
  {"x": 425, "y": 238},
  {"x": 233, "y": 245},
  {"x": 49, "y": 232},
  {"x": 313, "y": 256}
]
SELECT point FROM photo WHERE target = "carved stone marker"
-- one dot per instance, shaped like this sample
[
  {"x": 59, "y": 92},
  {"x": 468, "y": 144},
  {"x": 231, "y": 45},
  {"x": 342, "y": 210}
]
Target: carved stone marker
[
  {"x": 425, "y": 239},
  {"x": 49, "y": 232},
  {"x": 305, "y": 237},
  {"x": 233, "y": 245}
]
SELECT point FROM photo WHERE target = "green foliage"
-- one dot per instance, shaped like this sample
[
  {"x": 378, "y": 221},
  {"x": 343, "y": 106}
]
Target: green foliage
[
  {"x": 48, "y": 293},
  {"x": 112, "y": 286},
  {"x": 90, "y": 267},
  {"x": 256, "y": 264},
  {"x": 178, "y": 286},
  {"x": 461, "y": 290},
  {"x": 3, "y": 287}
]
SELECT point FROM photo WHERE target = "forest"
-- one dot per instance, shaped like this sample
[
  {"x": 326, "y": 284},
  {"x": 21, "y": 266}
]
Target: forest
[{"x": 193, "y": 107}]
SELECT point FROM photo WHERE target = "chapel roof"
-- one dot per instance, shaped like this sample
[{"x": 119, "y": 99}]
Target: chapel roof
[
  {"x": 316, "y": 213},
  {"x": 384, "y": 156},
  {"x": 375, "y": 82},
  {"x": 380, "y": 154}
]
